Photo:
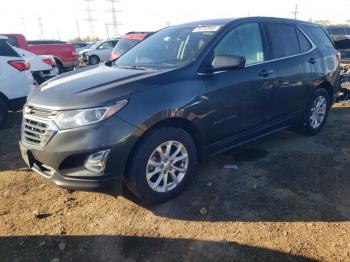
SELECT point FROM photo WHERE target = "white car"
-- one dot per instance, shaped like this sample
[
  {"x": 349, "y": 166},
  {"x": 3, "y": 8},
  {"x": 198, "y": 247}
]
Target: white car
[
  {"x": 99, "y": 52},
  {"x": 16, "y": 80},
  {"x": 43, "y": 67}
]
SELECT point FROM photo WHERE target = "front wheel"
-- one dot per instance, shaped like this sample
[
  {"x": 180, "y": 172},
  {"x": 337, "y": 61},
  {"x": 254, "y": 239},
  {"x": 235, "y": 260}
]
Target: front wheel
[
  {"x": 162, "y": 165},
  {"x": 316, "y": 113}
]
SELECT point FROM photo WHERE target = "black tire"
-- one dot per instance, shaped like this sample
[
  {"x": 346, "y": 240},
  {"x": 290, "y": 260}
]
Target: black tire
[
  {"x": 59, "y": 67},
  {"x": 94, "y": 60},
  {"x": 136, "y": 177},
  {"x": 3, "y": 113},
  {"x": 307, "y": 127}
]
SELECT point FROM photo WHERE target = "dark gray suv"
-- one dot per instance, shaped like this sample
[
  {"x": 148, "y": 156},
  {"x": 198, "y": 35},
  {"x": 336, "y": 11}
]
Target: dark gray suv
[{"x": 183, "y": 94}]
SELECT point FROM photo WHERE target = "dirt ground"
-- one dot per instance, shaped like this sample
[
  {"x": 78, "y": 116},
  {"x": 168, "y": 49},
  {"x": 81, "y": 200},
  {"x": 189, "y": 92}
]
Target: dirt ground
[{"x": 289, "y": 200}]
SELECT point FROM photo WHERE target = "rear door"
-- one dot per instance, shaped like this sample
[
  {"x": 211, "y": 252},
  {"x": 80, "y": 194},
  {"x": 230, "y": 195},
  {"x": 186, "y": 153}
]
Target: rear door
[{"x": 294, "y": 59}]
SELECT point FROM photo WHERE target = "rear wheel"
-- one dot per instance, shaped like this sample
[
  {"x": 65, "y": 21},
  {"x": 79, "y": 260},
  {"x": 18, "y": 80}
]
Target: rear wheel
[
  {"x": 3, "y": 113},
  {"x": 316, "y": 113},
  {"x": 162, "y": 165}
]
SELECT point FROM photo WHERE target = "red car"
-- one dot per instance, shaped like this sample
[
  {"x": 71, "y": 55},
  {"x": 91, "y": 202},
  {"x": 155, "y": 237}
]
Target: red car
[
  {"x": 65, "y": 54},
  {"x": 128, "y": 41}
]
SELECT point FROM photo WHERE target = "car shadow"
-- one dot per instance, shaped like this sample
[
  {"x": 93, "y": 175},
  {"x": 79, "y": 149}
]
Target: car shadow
[{"x": 132, "y": 248}]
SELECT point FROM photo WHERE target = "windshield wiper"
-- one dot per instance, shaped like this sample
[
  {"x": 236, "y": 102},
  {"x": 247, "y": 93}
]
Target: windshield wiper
[{"x": 135, "y": 67}]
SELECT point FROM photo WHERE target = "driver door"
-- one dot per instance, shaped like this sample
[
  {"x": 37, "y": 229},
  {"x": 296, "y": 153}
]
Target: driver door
[{"x": 240, "y": 99}]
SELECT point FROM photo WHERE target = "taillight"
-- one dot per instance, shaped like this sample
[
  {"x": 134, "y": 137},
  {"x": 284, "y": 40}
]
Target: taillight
[
  {"x": 49, "y": 62},
  {"x": 338, "y": 56},
  {"x": 20, "y": 65}
]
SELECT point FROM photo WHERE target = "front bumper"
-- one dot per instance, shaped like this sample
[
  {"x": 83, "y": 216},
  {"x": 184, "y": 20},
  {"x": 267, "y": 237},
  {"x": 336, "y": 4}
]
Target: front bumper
[{"x": 62, "y": 159}]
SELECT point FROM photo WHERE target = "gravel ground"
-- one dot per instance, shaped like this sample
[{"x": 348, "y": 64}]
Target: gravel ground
[{"x": 288, "y": 200}]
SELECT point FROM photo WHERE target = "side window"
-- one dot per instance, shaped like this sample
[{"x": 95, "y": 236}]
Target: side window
[
  {"x": 7, "y": 50},
  {"x": 347, "y": 31},
  {"x": 304, "y": 43},
  {"x": 283, "y": 40},
  {"x": 244, "y": 40},
  {"x": 106, "y": 45}
]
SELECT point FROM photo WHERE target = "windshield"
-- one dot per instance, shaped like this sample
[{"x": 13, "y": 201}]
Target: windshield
[
  {"x": 169, "y": 48},
  {"x": 124, "y": 45},
  {"x": 94, "y": 46}
]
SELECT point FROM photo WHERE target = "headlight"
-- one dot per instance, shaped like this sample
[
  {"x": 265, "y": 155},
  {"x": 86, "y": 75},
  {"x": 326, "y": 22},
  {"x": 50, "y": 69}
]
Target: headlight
[{"x": 84, "y": 117}]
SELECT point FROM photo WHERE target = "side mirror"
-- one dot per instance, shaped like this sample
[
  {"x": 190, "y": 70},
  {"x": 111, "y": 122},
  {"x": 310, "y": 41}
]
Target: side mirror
[{"x": 227, "y": 62}]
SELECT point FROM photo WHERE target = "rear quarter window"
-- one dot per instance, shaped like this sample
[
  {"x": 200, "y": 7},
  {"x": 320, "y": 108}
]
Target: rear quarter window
[
  {"x": 304, "y": 43},
  {"x": 7, "y": 50}
]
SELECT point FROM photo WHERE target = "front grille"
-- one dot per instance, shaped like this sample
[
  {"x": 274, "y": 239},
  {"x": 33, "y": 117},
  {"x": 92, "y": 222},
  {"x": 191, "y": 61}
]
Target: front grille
[
  {"x": 36, "y": 132},
  {"x": 37, "y": 127}
]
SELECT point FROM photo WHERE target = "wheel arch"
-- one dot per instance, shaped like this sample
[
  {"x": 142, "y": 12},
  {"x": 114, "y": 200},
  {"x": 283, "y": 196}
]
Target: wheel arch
[
  {"x": 330, "y": 89},
  {"x": 173, "y": 122}
]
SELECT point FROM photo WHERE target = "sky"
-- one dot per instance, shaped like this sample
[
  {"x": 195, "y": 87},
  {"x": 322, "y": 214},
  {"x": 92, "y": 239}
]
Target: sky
[{"x": 61, "y": 18}]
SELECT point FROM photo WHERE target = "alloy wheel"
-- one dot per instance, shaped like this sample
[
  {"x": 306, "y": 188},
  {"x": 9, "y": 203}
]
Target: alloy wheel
[
  {"x": 167, "y": 166},
  {"x": 318, "y": 112}
]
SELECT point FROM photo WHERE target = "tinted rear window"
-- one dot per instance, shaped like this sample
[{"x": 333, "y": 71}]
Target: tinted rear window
[
  {"x": 319, "y": 36},
  {"x": 12, "y": 40},
  {"x": 7, "y": 50},
  {"x": 283, "y": 40}
]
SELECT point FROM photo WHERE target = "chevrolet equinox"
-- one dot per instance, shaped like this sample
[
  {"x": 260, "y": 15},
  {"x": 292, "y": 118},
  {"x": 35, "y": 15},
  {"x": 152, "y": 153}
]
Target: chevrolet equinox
[{"x": 185, "y": 93}]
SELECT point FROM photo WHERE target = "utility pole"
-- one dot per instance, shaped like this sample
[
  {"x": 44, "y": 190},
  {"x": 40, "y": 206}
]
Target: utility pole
[
  {"x": 78, "y": 28},
  {"x": 90, "y": 18},
  {"x": 59, "y": 34},
  {"x": 295, "y": 12},
  {"x": 23, "y": 23},
  {"x": 115, "y": 23},
  {"x": 107, "y": 31},
  {"x": 40, "y": 23}
]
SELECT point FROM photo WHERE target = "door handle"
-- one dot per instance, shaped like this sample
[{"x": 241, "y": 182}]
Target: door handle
[
  {"x": 313, "y": 60},
  {"x": 266, "y": 73}
]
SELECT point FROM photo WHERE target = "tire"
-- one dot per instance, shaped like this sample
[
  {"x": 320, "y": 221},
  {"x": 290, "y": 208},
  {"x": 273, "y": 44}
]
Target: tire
[
  {"x": 140, "y": 164},
  {"x": 94, "y": 60},
  {"x": 3, "y": 113},
  {"x": 310, "y": 127},
  {"x": 59, "y": 67}
]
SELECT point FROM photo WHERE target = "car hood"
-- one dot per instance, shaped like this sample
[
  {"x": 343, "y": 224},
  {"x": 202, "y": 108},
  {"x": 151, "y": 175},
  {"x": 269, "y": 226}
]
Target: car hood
[
  {"x": 84, "y": 51},
  {"x": 91, "y": 87}
]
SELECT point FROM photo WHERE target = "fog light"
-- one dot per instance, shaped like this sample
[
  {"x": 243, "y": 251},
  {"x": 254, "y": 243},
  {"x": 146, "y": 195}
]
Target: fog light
[{"x": 96, "y": 162}]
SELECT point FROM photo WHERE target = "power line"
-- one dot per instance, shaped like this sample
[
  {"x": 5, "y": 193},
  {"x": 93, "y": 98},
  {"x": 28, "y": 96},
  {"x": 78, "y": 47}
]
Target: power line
[
  {"x": 90, "y": 18},
  {"x": 295, "y": 12},
  {"x": 115, "y": 23}
]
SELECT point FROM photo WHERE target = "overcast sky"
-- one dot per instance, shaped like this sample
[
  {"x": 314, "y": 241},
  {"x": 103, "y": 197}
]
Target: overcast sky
[{"x": 59, "y": 17}]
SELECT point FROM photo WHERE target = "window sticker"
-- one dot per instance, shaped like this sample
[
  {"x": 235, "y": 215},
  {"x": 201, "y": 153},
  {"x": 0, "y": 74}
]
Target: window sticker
[{"x": 206, "y": 29}]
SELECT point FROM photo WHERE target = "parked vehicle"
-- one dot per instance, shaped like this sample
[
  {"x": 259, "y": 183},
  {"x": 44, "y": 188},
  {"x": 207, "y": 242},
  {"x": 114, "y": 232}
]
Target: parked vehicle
[
  {"x": 186, "y": 93},
  {"x": 339, "y": 30},
  {"x": 342, "y": 44},
  {"x": 16, "y": 81},
  {"x": 97, "y": 53},
  {"x": 127, "y": 42},
  {"x": 42, "y": 67},
  {"x": 80, "y": 46},
  {"x": 65, "y": 54}
]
